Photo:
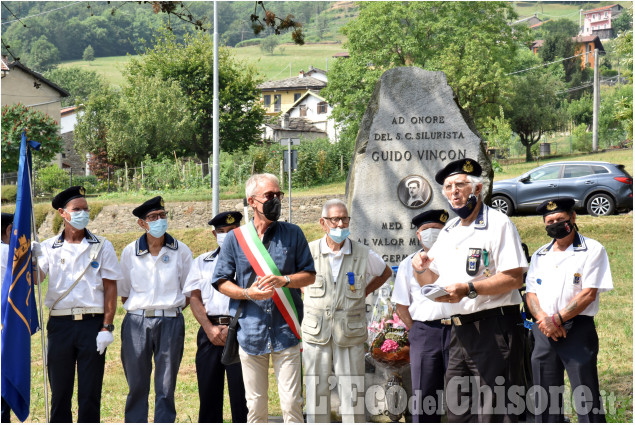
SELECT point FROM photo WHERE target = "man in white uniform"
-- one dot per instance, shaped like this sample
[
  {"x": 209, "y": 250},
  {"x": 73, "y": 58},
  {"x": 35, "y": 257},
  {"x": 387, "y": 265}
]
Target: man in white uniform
[
  {"x": 211, "y": 310},
  {"x": 428, "y": 325},
  {"x": 7, "y": 225},
  {"x": 564, "y": 282},
  {"x": 82, "y": 298},
  {"x": 334, "y": 328},
  {"x": 155, "y": 267},
  {"x": 478, "y": 259}
]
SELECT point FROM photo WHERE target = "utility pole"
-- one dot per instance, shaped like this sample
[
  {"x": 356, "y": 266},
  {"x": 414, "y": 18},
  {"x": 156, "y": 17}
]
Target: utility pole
[
  {"x": 215, "y": 145},
  {"x": 596, "y": 97}
]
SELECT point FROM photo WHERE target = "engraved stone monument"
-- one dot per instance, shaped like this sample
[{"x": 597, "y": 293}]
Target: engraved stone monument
[{"x": 412, "y": 128}]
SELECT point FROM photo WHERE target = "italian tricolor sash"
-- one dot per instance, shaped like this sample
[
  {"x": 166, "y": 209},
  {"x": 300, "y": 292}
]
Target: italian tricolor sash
[{"x": 263, "y": 265}]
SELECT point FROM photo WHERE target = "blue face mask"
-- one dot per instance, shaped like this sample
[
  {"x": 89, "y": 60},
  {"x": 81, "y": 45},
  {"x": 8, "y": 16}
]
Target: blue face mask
[
  {"x": 338, "y": 235},
  {"x": 465, "y": 211},
  {"x": 158, "y": 227},
  {"x": 79, "y": 219}
]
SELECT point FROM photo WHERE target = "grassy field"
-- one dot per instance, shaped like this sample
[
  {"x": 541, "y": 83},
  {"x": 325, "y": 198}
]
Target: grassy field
[
  {"x": 614, "y": 323},
  {"x": 556, "y": 10},
  {"x": 278, "y": 66}
]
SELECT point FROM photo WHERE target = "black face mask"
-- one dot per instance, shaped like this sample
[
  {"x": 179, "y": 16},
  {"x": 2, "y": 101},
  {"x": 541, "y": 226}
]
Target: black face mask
[
  {"x": 465, "y": 211},
  {"x": 559, "y": 230},
  {"x": 271, "y": 209}
]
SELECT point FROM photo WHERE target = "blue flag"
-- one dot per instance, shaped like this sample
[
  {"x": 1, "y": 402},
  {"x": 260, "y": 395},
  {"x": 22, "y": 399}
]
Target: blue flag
[{"x": 19, "y": 312}]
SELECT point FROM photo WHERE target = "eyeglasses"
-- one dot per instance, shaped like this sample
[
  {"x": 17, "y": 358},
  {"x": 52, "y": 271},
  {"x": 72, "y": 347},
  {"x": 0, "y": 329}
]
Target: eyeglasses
[
  {"x": 270, "y": 195},
  {"x": 335, "y": 220},
  {"x": 155, "y": 217},
  {"x": 458, "y": 185}
]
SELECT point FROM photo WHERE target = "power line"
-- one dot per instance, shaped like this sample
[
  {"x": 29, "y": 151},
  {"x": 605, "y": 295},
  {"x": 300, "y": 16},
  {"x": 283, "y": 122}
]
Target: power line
[
  {"x": 14, "y": 15},
  {"x": 41, "y": 13},
  {"x": 545, "y": 64}
]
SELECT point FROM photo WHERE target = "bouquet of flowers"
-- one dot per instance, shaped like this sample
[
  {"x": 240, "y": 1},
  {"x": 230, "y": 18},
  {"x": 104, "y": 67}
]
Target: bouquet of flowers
[{"x": 390, "y": 341}]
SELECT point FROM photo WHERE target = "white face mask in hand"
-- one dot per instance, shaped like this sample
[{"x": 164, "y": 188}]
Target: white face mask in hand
[{"x": 429, "y": 237}]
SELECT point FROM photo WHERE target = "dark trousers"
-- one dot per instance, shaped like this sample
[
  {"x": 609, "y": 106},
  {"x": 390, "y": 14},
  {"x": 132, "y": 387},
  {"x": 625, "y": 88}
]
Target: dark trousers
[
  {"x": 485, "y": 361},
  {"x": 429, "y": 349},
  {"x": 210, "y": 373},
  {"x": 6, "y": 412},
  {"x": 577, "y": 354},
  {"x": 73, "y": 343}
]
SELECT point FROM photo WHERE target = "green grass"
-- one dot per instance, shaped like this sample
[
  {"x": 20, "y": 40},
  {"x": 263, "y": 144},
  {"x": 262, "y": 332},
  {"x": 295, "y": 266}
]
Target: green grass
[
  {"x": 556, "y": 10},
  {"x": 270, "y": 67}
]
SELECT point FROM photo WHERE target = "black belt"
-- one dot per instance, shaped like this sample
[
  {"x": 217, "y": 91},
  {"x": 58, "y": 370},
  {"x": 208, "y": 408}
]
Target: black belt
[
  {"x": 439, "y": 322},
  {"x": 464, "y": 319},
  {"x": 220, "y": 320},
  {"x": 84, "y": 316}
]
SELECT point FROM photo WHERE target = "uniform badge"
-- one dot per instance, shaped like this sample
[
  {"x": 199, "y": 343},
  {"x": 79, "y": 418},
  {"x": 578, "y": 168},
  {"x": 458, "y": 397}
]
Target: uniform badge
[
  {"x": 94, "y": 264},
  {"x": 82, "y": 191},
  {"x": 539, "y": 281},
  {"x": 351, "y": 280},
  {"x": 230, "y": 219},
  {"x": 551, "y": 206},
  {"x": 165, "y": 258},
  {"x": 576, "y": 278},
  {"x": 468, "y": 167},
  {"x": 161, "y": 202},
  {"x": 473, "y": 260},
  {"x": 443, "y": 218},
  {"x": 62, "y": 261}
]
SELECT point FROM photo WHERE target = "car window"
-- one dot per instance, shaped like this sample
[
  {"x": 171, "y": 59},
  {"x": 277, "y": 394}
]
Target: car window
[
  {"x": 549, "y": 172},
  {"x": 576, "y": 170},
  {"x": 598, "y": 169}
]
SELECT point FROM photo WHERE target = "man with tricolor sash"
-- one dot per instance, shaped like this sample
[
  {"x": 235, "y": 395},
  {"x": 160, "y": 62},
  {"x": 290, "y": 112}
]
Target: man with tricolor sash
[
  {"x": 262, "y": 267},
  {"x": 334, "y": 329}
]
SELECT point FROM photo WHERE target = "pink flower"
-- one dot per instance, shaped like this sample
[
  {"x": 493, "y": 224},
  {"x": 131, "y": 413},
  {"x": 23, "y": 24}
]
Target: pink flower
[{"x": 389, "y": 346}]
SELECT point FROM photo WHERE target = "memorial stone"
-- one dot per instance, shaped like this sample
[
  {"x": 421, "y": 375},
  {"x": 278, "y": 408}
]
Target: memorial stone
[{"x": 412, "y": 128}]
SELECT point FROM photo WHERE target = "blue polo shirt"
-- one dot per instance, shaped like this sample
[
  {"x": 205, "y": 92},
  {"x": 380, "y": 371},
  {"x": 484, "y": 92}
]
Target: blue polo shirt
[{"x": 261, "y": 327}]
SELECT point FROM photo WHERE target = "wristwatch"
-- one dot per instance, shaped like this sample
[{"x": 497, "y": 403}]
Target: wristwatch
[
  {"x": 472, "y": 291},
  {"x": 288, "y": 279},
  {"x": 109, "y": 327}
]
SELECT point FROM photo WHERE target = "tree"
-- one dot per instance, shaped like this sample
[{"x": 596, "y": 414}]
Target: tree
[
  {"x": 533, "y": 106},
  {"x": 43, "y": 55},
  {"x": 269, "y": 44},
  {"x": 581, "y": 110},
  {"x": 472, "y": 42},
  {"x": 166, "y": 104},
  {"x": 89, "y": 54},
  {"x": 624, "y": 22},
  {"x": 39, "y": 127},
  {"x": 498, "y": 132},
  {"x": 78, "y": 82}
]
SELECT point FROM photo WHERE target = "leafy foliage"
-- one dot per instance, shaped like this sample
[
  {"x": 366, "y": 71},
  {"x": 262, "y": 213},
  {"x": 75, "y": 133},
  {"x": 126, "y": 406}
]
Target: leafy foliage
[
  {"x": 43, "y": 55},
  {"x": 472, "y": 42},
  {"x": 581, "y": 110},
  {"x": 269, "y": 44},
  {"x": 39, "y": 127},
  {"x": 89, "y": 53},
  {"x": 78, "y": 82}
]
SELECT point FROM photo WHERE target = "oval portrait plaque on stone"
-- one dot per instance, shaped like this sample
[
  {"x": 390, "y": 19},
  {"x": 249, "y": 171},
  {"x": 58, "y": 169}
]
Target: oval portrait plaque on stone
[{"x": 414, "y": 191}]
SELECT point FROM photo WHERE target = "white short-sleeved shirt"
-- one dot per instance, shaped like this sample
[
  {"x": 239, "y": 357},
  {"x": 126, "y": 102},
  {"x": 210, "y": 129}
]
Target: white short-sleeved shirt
[
  {"x": 4, "y": 257},
  {"x": 64, "y": 262},
  {"x": 375, "y": 265},
  {"x": 557, "y": 277},
  {"x": 492, "y": 231},
  {"x": 151, "y": 283},
  {"x": 200, "y": 277},
  {"x": 407, "y": 291}
]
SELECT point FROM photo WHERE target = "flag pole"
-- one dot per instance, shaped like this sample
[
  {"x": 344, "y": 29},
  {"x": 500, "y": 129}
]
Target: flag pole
[{"x": 39, "y": 295}]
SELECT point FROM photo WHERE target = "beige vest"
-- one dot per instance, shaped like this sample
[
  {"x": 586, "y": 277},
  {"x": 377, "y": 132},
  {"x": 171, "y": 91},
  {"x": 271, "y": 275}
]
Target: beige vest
[{"x": 334, "y": 308}]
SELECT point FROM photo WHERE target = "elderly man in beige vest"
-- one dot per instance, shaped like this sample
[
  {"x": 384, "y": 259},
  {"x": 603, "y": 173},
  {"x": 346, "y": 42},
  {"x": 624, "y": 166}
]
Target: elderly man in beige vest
[{"x": 334, "y": 328}]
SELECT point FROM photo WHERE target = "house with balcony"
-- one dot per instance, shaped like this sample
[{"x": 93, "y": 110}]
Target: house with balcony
[
  {"x": 584, "y": 44},
  {"x": 278, "y": 96},
  {"x": 598, "y": 21}
]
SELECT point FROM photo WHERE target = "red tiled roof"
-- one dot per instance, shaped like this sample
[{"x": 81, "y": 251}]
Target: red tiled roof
[
  {"x": 600, "y": 8},
  {"x": 69, "y": 110},
  {"x": 4, "y": 65}
]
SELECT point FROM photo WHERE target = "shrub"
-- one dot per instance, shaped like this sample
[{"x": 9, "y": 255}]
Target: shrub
[
  {"x": 52, "y": 178},
  {"x": 89, "y": 182},
  {"x": 9, "y": 193},
  {"x": 582, "y": 140}
]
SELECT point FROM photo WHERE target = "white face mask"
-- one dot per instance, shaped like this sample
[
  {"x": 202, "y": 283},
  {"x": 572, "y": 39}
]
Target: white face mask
[
  {"x": 220, "y": 238},
  {"x": 429, "y": 236},
  {"x": 79, "y": 219}
]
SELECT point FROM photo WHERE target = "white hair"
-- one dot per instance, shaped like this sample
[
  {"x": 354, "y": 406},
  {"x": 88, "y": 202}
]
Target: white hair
[
  {"x": 474, "y": 181},
  {"x": 255, "y": 180},
  {"x": 333, "y": 203}
]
